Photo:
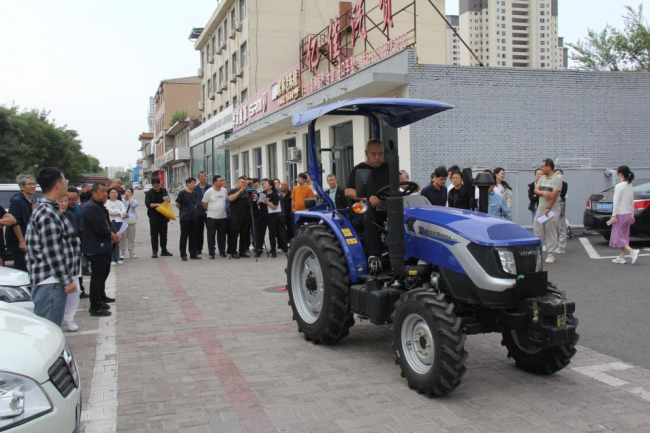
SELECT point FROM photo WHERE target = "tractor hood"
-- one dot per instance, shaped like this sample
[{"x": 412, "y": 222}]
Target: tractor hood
[{"x": 476, "y": 227}]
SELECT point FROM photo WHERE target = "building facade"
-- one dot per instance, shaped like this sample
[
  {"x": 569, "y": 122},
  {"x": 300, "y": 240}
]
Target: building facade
[
  {"x": 179, "y": 94},
  {"x": 512, "y": 33},
  {"x": 177, "y": 159},
  {"x": 454, "y": 45},
  {"x": 147, "y": 156}
]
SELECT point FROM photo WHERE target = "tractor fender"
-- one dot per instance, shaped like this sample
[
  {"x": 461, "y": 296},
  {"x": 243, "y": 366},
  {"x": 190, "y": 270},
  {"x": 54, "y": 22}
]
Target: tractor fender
[{"x": 347, "y": 237}]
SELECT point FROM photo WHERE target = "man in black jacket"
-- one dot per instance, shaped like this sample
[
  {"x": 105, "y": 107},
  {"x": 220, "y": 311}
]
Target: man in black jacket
[
  {"x": 285, "y": 199},
  {"x": 336, "y": 193},
  {"x": 98, "y": 240},
  {"x": 155, "y": 197}
]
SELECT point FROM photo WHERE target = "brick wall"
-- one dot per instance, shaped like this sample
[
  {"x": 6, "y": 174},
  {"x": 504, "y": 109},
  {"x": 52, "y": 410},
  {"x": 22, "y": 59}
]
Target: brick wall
[{"x": 514, "y": 118}]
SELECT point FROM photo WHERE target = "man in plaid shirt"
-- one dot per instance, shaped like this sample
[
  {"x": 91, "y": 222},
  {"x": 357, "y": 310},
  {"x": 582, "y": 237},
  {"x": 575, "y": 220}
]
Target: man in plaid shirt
[{"x": 52, "y": 252}]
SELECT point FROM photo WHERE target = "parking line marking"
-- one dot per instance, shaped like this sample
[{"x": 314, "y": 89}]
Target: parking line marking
[
  {"x": 101, "y": 411},
  {"x": 599, "y": 372},
  {"x": 593, "y": 254}
]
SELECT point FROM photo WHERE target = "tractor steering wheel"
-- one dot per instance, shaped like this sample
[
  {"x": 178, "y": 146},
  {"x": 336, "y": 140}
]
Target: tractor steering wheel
[{"x": 409, "y": 188}]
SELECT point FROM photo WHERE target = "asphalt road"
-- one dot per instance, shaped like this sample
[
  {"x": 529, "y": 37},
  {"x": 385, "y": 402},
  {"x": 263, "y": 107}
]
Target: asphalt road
[{"x": 612, "y": 301}]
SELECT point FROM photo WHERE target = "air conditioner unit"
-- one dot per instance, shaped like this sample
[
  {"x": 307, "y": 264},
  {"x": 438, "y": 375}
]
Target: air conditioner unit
[
  {"x": 219, "y": 50},
  {"x": 294, "y": 154},
  {"x": 201, "y": 106},
  {"x": 211, "y": 95},
  {"x": 220, "y": 89},
  {"x": 232, "y": 33},
  {"x": 240, "y": 72},
  {"x": 199, "y": 73},
  {"x": 210, "y": 59},
  {"x": 238, "y": 26},
  {"x": 233, "y": 78},
  {"x": 224, "y": 86},
  {"x": 224, "y": 45}
]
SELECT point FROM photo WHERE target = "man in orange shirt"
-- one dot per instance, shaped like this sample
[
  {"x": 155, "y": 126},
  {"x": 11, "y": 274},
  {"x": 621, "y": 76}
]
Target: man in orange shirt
[{"x": 300, "y": 193}]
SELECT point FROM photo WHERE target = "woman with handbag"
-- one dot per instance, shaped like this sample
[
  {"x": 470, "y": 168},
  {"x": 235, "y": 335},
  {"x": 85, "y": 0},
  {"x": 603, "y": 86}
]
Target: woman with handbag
[{"x": 131, "y": 218}]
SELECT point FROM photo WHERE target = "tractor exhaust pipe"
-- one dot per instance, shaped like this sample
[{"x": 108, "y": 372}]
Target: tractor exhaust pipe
[{"x": 395, "y": 218}]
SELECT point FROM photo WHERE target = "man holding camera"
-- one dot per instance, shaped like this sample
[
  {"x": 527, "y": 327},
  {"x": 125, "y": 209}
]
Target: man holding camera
[{"x": 240, "y": 220}]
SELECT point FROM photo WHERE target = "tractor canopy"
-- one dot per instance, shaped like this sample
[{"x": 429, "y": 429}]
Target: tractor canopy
[{"x": 396, "y": 112}]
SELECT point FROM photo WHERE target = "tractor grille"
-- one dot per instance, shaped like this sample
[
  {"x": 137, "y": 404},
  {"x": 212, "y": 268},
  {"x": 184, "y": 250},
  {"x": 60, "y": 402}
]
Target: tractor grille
[
  {"x": 526, "y": 259},
  {"x": 61, "y": 376}
]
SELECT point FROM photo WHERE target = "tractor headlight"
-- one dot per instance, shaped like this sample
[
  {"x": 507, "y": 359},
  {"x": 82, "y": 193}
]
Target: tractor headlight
[
  {"x": 507, "y": 259},
  {"x": 21, "y": 399}
]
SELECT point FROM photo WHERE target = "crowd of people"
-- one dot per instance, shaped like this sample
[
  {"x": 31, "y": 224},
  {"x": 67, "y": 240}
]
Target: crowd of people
[
  {"x": 68, "y": 232},
  {"x": 234, "y": 221}
]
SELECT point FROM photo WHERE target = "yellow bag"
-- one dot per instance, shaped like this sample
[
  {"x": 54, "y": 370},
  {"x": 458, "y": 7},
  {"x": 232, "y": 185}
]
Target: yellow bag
[{"x": 165, "y": 209}]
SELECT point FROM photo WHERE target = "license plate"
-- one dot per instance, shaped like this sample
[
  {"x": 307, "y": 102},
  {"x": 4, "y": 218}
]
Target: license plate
[{"x": 604, "y": 206}]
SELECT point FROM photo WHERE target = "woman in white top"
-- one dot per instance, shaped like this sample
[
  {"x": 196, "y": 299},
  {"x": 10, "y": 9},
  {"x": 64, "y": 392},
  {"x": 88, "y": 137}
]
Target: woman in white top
[
  {"x": 117, "y": 212},
  {"x": 502, "y": 188},
  {"x": 128, "y": 237},
  {"x": 623, "y": 216}
]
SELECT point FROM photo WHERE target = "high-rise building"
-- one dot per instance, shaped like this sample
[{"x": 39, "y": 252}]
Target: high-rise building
[
  {"x": 454, "y": 46},
  {"x": 512, "y": 33},
  {"x": 151, "y": 115}
]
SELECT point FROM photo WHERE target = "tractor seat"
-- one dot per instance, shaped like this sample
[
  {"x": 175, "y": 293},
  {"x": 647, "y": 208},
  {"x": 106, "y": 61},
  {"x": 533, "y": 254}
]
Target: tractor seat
[{"x": 415, "y": 200}]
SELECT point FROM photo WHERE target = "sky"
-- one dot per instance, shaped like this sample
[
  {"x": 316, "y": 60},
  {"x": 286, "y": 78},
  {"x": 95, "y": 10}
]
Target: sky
[{"x": 94, "y": 65}]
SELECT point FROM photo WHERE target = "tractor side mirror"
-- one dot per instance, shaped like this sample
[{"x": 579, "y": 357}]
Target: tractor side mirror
[
  {"x": 310, "y": 203},
  {"x": 362, "y": 182}
]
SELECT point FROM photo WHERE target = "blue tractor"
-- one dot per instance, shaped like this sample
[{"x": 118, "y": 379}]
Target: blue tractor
[{"x": 447, "y": 273}]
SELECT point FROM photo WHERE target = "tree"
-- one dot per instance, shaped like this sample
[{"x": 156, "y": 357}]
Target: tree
[
  {"x": 178, "y": 115},
  {"x": 615, "y": 50},
  {"x": 29, "y": 141}
]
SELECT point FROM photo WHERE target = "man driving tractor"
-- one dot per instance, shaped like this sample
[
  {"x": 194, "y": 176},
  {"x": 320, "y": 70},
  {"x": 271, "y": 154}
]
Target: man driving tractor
[{"x": 376, "y": 216}]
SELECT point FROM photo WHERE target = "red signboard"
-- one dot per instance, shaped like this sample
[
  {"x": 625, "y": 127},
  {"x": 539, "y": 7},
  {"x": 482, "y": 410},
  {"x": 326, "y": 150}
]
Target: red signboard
[
  {"x": 269, "y": 99},
  {"x": 352, "y": 65}
]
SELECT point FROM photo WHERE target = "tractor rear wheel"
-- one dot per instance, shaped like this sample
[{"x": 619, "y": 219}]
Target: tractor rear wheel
[
  {"x": 429, "y": 342},
  {"x": 319, "y": 285},
  {"x": 536, "y": 360}
]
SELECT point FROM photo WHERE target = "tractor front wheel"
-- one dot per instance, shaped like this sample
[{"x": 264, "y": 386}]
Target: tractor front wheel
[
  {"x": 319, "y": 285},
  {"x": 429, "y": 342}
]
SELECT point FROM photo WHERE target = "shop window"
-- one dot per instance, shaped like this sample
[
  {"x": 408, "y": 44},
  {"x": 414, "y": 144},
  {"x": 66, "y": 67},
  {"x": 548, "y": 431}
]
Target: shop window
[
  {"x": 245, "y": 164},
  {"x": 291, "y": 167},
  {"x": 235, "y": 169},
  {"x": 272, "y": 158},
  {"x": 257, "y": 155}
]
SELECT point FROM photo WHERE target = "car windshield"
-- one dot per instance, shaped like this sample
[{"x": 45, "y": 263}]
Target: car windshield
[{"x": 642, "y": 188}]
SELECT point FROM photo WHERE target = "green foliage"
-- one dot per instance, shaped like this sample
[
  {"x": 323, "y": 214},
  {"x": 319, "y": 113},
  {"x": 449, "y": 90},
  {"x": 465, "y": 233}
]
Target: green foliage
[
  {"x": 178, "y": 115},
  {"x": 615, "y": 50},
  {"x": 29, "y": 141}
]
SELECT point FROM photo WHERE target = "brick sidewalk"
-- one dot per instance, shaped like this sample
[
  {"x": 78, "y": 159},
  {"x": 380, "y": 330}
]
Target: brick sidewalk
[{"x": 201, "y": 347}]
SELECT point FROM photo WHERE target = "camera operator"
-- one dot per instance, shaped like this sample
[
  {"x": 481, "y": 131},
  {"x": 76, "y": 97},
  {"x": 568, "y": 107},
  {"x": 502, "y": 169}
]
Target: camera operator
[{"x": 240, "y": 222}]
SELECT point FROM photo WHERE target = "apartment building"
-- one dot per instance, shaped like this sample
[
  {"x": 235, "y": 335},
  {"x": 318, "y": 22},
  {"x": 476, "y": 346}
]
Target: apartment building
[
  {"x": 254, "y": 60},
  {"x": 177, "y": 159},
  {"x": 512, "y": 33},
  {"x": 171, "y": 96},
  {"x": 454, "y": 46}
]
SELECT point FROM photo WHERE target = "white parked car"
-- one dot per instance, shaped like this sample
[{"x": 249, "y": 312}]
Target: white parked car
[
  {"x": 147, "y": 187},
  {"x": 39, "y": 380},
  {"x": 136, "y": 185},
  {"x": 15, "y": 289}
]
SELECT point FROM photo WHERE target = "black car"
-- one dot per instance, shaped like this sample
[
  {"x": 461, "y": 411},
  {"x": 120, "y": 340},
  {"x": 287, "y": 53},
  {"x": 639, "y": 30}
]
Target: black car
[{"x": 600, "y": 207}]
